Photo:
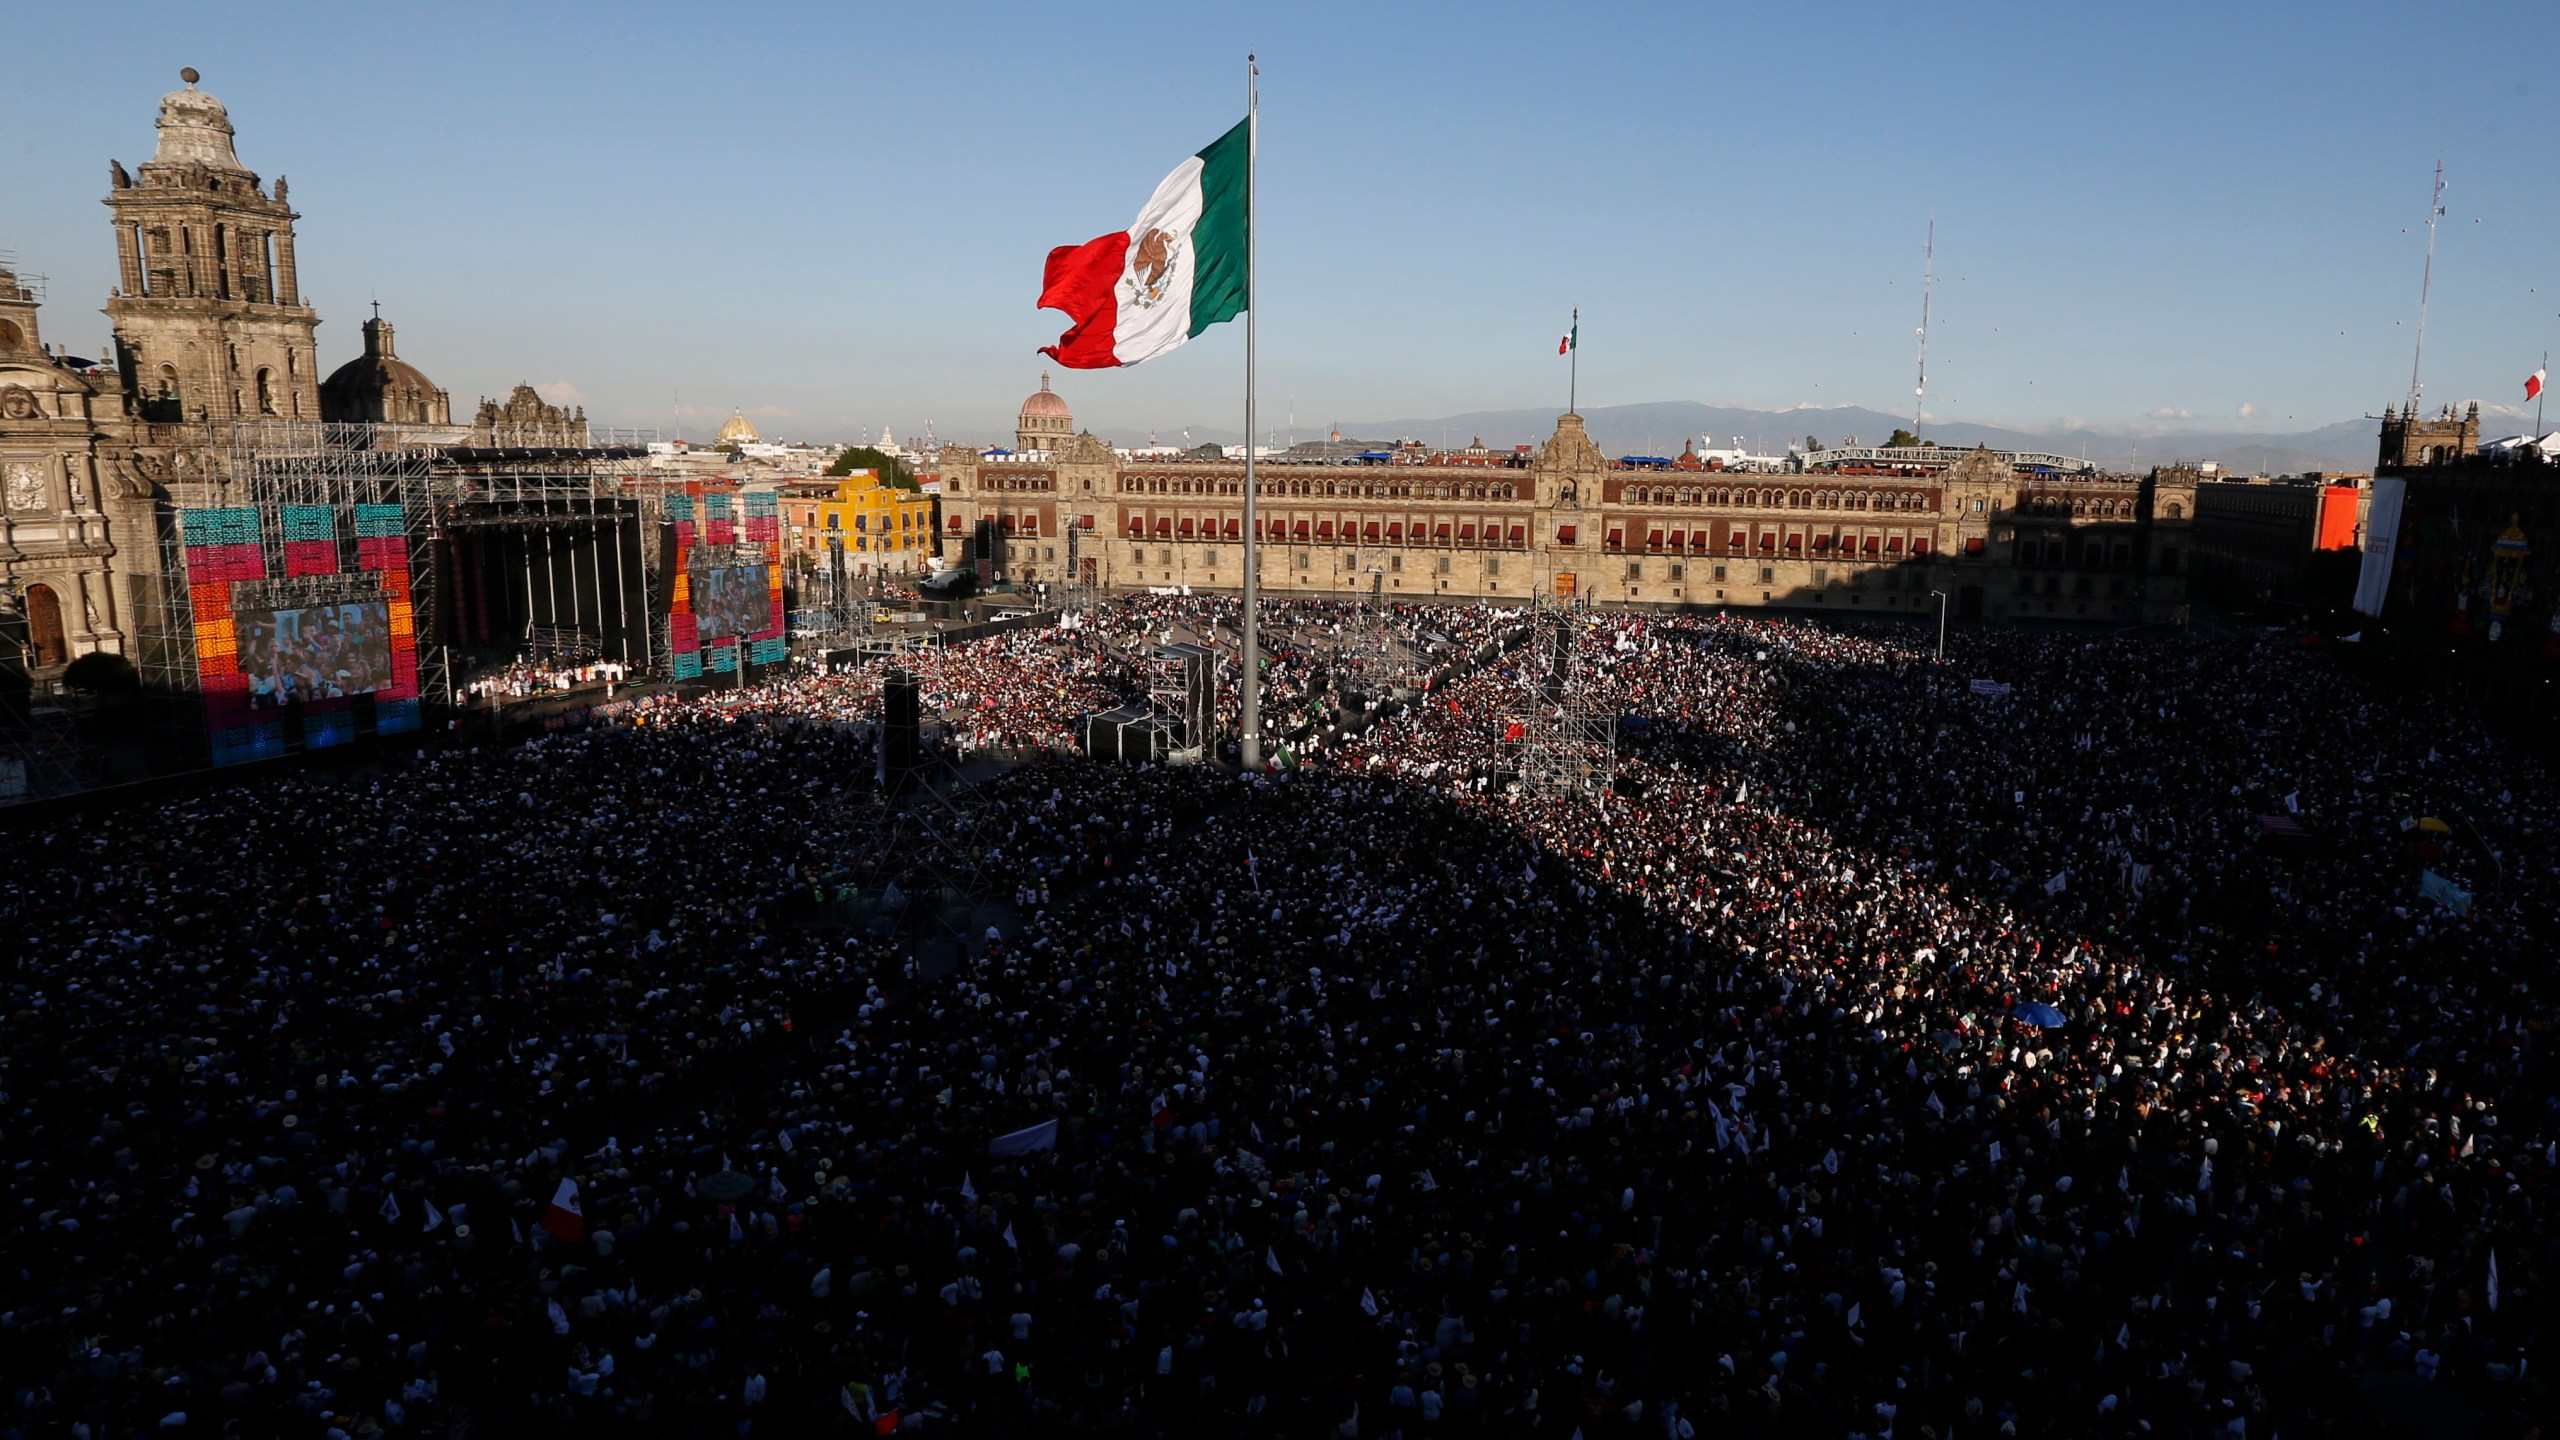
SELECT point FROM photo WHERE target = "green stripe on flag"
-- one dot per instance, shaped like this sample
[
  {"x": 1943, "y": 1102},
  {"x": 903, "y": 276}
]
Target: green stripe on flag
[{"x": 1218, "y": 288}]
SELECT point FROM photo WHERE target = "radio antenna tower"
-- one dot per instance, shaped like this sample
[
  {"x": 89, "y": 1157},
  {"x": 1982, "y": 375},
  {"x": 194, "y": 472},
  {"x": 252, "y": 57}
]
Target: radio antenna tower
[
  {"x": 2426, "y": 282},
  {"x": 1928, "y": 282}
]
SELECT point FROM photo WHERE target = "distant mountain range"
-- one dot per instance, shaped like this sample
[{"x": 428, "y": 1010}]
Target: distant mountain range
[{"x": 1663, "y": 427}]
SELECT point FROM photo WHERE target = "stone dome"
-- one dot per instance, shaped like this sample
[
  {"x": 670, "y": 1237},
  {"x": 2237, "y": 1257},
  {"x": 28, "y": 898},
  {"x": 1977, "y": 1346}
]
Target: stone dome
[
  {"x": 381, "y": 388},
  {"x": 1044, "y": 424},
  {"x": 194, "y": 126},
  {"x": 739, "y": 431},
  {"x": 1045, "y": 404}
]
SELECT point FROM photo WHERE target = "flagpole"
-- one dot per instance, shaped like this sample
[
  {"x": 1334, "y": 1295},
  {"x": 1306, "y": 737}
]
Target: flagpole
[
  {"x": 1249, "y": 744},
  {"x": 2537, "y": 399},
  {"x": 1573, "y": 363}
]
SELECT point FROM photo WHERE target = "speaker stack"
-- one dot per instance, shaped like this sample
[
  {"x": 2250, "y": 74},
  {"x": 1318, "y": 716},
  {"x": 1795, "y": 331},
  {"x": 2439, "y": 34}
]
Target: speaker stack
[{"x": 901, "y": 721}]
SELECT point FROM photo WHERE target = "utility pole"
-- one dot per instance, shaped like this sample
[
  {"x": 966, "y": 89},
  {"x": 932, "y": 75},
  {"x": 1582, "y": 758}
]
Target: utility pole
[
  {"x": 2426, "y": 283},
  {"x": 1928, "y": 282},
  {"x": 1249, "y": 743}
]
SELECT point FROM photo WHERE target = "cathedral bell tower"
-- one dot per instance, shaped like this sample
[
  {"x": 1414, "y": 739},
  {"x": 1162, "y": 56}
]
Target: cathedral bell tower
[{"x": 210, "y": 324}]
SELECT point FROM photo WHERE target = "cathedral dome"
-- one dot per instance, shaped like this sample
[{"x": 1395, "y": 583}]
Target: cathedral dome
[
  {"x": 739, "y": 431},
  {"x": 194, "y": 126},
  {"x": 1046, "y": 404},
  {"x": 379, "y": 387}
]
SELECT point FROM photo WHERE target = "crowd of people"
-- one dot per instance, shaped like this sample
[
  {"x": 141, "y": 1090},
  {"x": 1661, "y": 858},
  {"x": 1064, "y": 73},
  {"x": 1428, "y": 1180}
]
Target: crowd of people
[
  {"x": 529, "y": 676},
  {"x": 1875, "y": 1053}
]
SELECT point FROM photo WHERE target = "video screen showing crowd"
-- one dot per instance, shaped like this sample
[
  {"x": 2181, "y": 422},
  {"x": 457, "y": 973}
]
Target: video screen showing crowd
[
  {"x": 1893, "y": 1058},
  {"x": 732, "y": 600},
  {"x": 324, "y": 652}
]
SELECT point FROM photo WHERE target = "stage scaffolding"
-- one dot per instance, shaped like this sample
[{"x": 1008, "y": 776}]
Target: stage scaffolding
[
  {"x": 1567, "y": 748},
  {"x": 268, "y": 466},
  {"x": 440, "y": 478},
  {"x": 1182, "y": 686}
]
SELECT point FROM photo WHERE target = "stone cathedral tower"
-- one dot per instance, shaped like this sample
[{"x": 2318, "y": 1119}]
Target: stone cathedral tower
[{"x": 210, "y": 324}]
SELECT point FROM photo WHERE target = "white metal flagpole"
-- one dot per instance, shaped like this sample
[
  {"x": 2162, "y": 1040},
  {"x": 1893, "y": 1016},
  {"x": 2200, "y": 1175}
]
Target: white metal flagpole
[{"x": 1250, "y": 718}]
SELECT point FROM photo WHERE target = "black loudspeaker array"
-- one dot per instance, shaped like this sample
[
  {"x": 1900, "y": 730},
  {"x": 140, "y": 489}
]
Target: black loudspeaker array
[{"x": 901, "y": 715}]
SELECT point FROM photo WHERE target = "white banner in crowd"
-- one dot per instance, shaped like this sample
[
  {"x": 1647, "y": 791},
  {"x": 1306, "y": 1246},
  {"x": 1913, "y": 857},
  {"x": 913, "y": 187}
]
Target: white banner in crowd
[
  {"x": 2381, "y": 538},
  {"x": 1043, "y": 1136}
]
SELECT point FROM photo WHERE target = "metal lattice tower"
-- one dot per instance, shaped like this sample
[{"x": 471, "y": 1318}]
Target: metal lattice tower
[
  {"x": 270, "y": 464},
  {"x": 1182, "y": 682},
  {"x": 1567, "y": 747}
]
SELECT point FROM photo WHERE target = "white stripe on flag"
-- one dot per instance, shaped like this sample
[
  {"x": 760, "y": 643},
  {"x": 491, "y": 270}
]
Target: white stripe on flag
[{"x": 1141, "y": 331}]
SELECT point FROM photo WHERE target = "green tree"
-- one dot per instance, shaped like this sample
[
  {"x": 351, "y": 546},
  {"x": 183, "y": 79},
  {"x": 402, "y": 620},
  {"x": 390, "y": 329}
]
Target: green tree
[
  {"x": 1900, "y": 437},
  {"x": 867, "y": 457},
  {"x": 1811, "y": 444},
  {"x": 100, "y": 673}
]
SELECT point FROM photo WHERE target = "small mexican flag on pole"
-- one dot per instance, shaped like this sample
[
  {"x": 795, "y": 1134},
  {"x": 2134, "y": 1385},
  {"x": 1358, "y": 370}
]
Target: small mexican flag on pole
[{"x": 1571, "y": 347}]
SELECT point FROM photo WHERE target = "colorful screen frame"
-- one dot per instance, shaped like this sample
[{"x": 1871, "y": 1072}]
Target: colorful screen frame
[
  {"x": 229, "y": 562},
  {"x": 749, "y": 529}
]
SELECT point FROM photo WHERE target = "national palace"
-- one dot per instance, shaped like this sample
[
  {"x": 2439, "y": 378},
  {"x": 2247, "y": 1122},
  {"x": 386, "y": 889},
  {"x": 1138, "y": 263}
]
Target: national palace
[{"x": 2001, "y": 535}]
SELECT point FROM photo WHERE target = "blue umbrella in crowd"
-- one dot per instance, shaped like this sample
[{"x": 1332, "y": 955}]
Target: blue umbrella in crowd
[{"x": 2039, "y": 1014}]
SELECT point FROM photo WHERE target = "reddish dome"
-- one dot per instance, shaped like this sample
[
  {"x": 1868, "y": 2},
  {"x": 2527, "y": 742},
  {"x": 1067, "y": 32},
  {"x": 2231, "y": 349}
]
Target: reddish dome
[{"x": 1047, "y": 403}]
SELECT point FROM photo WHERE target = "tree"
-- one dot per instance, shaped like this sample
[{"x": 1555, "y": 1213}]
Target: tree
[
  {"x": 1811, "y": 444},
  {"x": 101, "y": 673},
  {"x": 1900, "y": 437},
  {"x": 865, "y": 457}
]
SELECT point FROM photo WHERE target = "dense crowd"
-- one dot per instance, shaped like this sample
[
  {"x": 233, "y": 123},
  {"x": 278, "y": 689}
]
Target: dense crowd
[
  {"x": 534, "y": 675},
  {"x": 1881, "y": 1055}
]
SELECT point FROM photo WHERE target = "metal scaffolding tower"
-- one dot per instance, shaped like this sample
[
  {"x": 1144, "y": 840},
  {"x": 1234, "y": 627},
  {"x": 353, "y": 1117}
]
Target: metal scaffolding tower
[
  {"x": 437, "y": 484},
  {"x": 1182, "y": 686},
  {"x": 267, "y": 466},
  {"x": 1567, "y": 745}
]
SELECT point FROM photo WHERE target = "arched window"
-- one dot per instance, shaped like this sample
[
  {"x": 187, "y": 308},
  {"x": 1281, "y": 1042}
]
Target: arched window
[
  {"x": 168, "y": 382},
  {"x": 266, "y": 391},
  {"x": 44, "y": 627},
  {"x": 2176, "y": 511}
]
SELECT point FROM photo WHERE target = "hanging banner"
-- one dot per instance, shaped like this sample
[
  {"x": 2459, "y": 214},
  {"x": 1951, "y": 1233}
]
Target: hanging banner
[{"x": 2381, "y": 540}]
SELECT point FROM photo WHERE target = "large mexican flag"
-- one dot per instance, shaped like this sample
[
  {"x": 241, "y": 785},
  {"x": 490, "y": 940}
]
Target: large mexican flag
[{"x": 1176, "y": 271}]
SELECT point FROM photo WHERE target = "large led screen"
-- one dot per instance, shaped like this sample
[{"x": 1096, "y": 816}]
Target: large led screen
[
  {"x": 319, "y": 653},
  {"x": 732, "y": 600}
]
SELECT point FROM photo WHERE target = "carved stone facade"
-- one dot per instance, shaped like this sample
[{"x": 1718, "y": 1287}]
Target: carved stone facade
[
  {"x": 1998, "y": 539},
  {"x": 526, "y": 420},
  {"x": 210, "y": 329},
  {"x": 70, "y": 489},
  {"x": 2410, "y": 440},
  {"x": 210, "y": 322}
]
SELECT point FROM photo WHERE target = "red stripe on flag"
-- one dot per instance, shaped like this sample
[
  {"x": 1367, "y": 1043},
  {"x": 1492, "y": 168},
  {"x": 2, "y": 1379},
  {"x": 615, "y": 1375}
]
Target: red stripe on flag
[{"x": 1079, "y": 280}]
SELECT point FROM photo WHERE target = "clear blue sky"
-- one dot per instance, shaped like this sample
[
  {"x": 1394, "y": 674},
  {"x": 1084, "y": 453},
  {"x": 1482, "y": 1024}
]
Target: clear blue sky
[{"x": 833, "y": 214}]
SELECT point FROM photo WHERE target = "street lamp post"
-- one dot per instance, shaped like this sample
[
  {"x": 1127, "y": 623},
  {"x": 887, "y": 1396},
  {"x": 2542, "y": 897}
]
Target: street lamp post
[{"x": 1942, "y": 625}]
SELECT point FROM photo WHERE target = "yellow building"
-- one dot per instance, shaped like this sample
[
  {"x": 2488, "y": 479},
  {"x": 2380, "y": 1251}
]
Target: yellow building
[{"x": 883, "y": 528}]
